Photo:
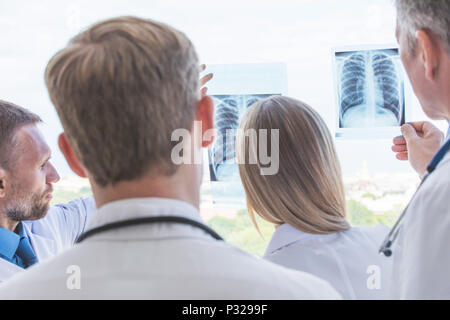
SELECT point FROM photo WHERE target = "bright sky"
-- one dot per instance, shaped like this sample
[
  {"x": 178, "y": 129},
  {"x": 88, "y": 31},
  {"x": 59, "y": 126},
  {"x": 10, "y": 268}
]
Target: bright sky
[{"x": 298, "y": 33}]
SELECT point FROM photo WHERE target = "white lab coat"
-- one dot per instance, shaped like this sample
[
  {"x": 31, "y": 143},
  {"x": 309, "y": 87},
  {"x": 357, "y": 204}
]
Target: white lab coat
[
  {"x": 159, "y": 261},
  {"x": 54, "y": 233},
  {"x": 348, "y": 260},
  {"x": 421, "y": 252}
]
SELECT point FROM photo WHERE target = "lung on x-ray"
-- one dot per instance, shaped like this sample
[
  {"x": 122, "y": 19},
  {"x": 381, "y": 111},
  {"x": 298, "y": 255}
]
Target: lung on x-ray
[
  {"x": 370, "y": 89},
  {"x": 234, "y": 88},
  {"x": 229, "y": 109}
]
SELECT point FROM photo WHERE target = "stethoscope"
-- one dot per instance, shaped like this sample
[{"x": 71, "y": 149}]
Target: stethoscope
[
  {"x": 392, "y": 236},
  {"x": 148, "y": 220}
]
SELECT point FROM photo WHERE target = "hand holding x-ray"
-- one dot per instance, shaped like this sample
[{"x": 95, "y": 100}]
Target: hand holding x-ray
[
  {"x": 204, "y": 80},
  {"x": 419, "y": 143}
]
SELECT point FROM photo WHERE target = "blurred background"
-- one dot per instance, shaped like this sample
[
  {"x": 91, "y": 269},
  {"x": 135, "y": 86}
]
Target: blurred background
[{"x": 300, "y": 34}]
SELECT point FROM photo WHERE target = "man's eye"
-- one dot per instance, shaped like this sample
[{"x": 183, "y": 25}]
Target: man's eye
[{"x": 42, "y": 167}]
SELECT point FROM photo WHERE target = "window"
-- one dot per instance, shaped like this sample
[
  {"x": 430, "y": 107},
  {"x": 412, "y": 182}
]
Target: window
[{"x": 297, "y": 33}]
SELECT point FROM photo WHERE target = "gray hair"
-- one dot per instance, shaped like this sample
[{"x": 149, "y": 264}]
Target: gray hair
[{"x": 431, "y": 15}]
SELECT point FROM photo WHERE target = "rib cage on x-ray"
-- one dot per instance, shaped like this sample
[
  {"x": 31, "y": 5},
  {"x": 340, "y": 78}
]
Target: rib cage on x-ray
[
  {"x": 353, "y": 82},
  {"x": 228, "y": 111},
  {"x": 387, "y": 82},
  {"x": 226, "y": 120},
  {"x": 369, "y": 82}
]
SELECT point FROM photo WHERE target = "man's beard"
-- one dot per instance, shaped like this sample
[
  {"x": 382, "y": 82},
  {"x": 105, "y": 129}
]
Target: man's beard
[{"x": 28, "y": 208}]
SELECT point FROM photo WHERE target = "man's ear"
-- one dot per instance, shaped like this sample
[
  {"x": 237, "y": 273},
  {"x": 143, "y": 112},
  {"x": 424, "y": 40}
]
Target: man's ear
[
  {"x": 2, "y": 183},
  {"x": 428, "y": 52},
  {"x": 205, "y": 114},
  {"x": 70, "y": 156}
]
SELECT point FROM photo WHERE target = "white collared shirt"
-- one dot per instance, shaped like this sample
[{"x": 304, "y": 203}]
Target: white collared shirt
[
  {"x": 160, "y": 261},
  {"x": 54, "y": 233},
  {"x": 348, "y": 260}
]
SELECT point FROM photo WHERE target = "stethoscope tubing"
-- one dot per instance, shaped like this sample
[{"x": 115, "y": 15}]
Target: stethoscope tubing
[{"x": 147, "y": 220}]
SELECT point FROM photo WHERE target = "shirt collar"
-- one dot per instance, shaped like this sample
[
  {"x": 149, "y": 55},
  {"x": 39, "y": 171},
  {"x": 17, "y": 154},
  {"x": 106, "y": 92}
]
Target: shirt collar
[
  {"x": 286, "y": 235},
  {"x": 448, "y": 132},
  {"x": 9, "y": 241},
  {"x": 140, "y": 208}
]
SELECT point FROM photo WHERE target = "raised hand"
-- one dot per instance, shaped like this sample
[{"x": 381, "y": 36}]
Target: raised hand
[
  {"x": 204, "y": 80},
  {"x": 419, "y": 144}
]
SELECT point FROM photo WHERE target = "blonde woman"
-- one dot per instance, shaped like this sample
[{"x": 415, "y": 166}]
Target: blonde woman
[{"x": 305, "y": 200}]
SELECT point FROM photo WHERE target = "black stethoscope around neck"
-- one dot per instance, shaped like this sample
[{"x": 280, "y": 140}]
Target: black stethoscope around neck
[
  {"x": 148, "y": 220},
  {"x": 392, "y": 236}
]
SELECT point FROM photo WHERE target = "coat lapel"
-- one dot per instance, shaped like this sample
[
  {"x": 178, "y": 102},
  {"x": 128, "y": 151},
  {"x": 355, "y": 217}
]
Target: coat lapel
[{"x": 43, "y": 247}]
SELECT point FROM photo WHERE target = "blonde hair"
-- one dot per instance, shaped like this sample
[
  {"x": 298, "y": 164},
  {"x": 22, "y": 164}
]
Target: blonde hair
[
  {"x": 307, "y": 192},
  {"x": 120, "y": 89}
]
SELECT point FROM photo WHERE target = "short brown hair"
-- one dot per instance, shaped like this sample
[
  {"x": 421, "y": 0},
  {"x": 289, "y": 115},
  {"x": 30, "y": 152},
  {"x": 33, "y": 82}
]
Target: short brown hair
[
  {"x": 120, "y": 89},
  {"x": 307, "y": 192},
  {"x": 12, "y": 117}
]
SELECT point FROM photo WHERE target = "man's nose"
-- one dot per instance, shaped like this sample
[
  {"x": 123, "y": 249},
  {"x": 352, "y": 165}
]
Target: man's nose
[{"x": 52, "y": 175}]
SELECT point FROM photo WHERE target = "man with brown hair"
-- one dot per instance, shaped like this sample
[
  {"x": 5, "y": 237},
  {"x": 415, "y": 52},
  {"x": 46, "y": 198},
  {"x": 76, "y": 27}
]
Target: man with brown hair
[
  {"x": 29, "y": 231},
  {"x": 121, "y": 89}
]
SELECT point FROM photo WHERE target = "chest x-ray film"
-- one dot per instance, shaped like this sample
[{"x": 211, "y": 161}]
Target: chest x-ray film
[
  {"x": 233, "y": 89},
  {"x": 370, "y": 92}
]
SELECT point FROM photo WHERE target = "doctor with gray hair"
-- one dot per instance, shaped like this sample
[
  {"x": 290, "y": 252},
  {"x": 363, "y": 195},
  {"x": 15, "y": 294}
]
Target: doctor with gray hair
[{"x": 419, "y": 242}]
